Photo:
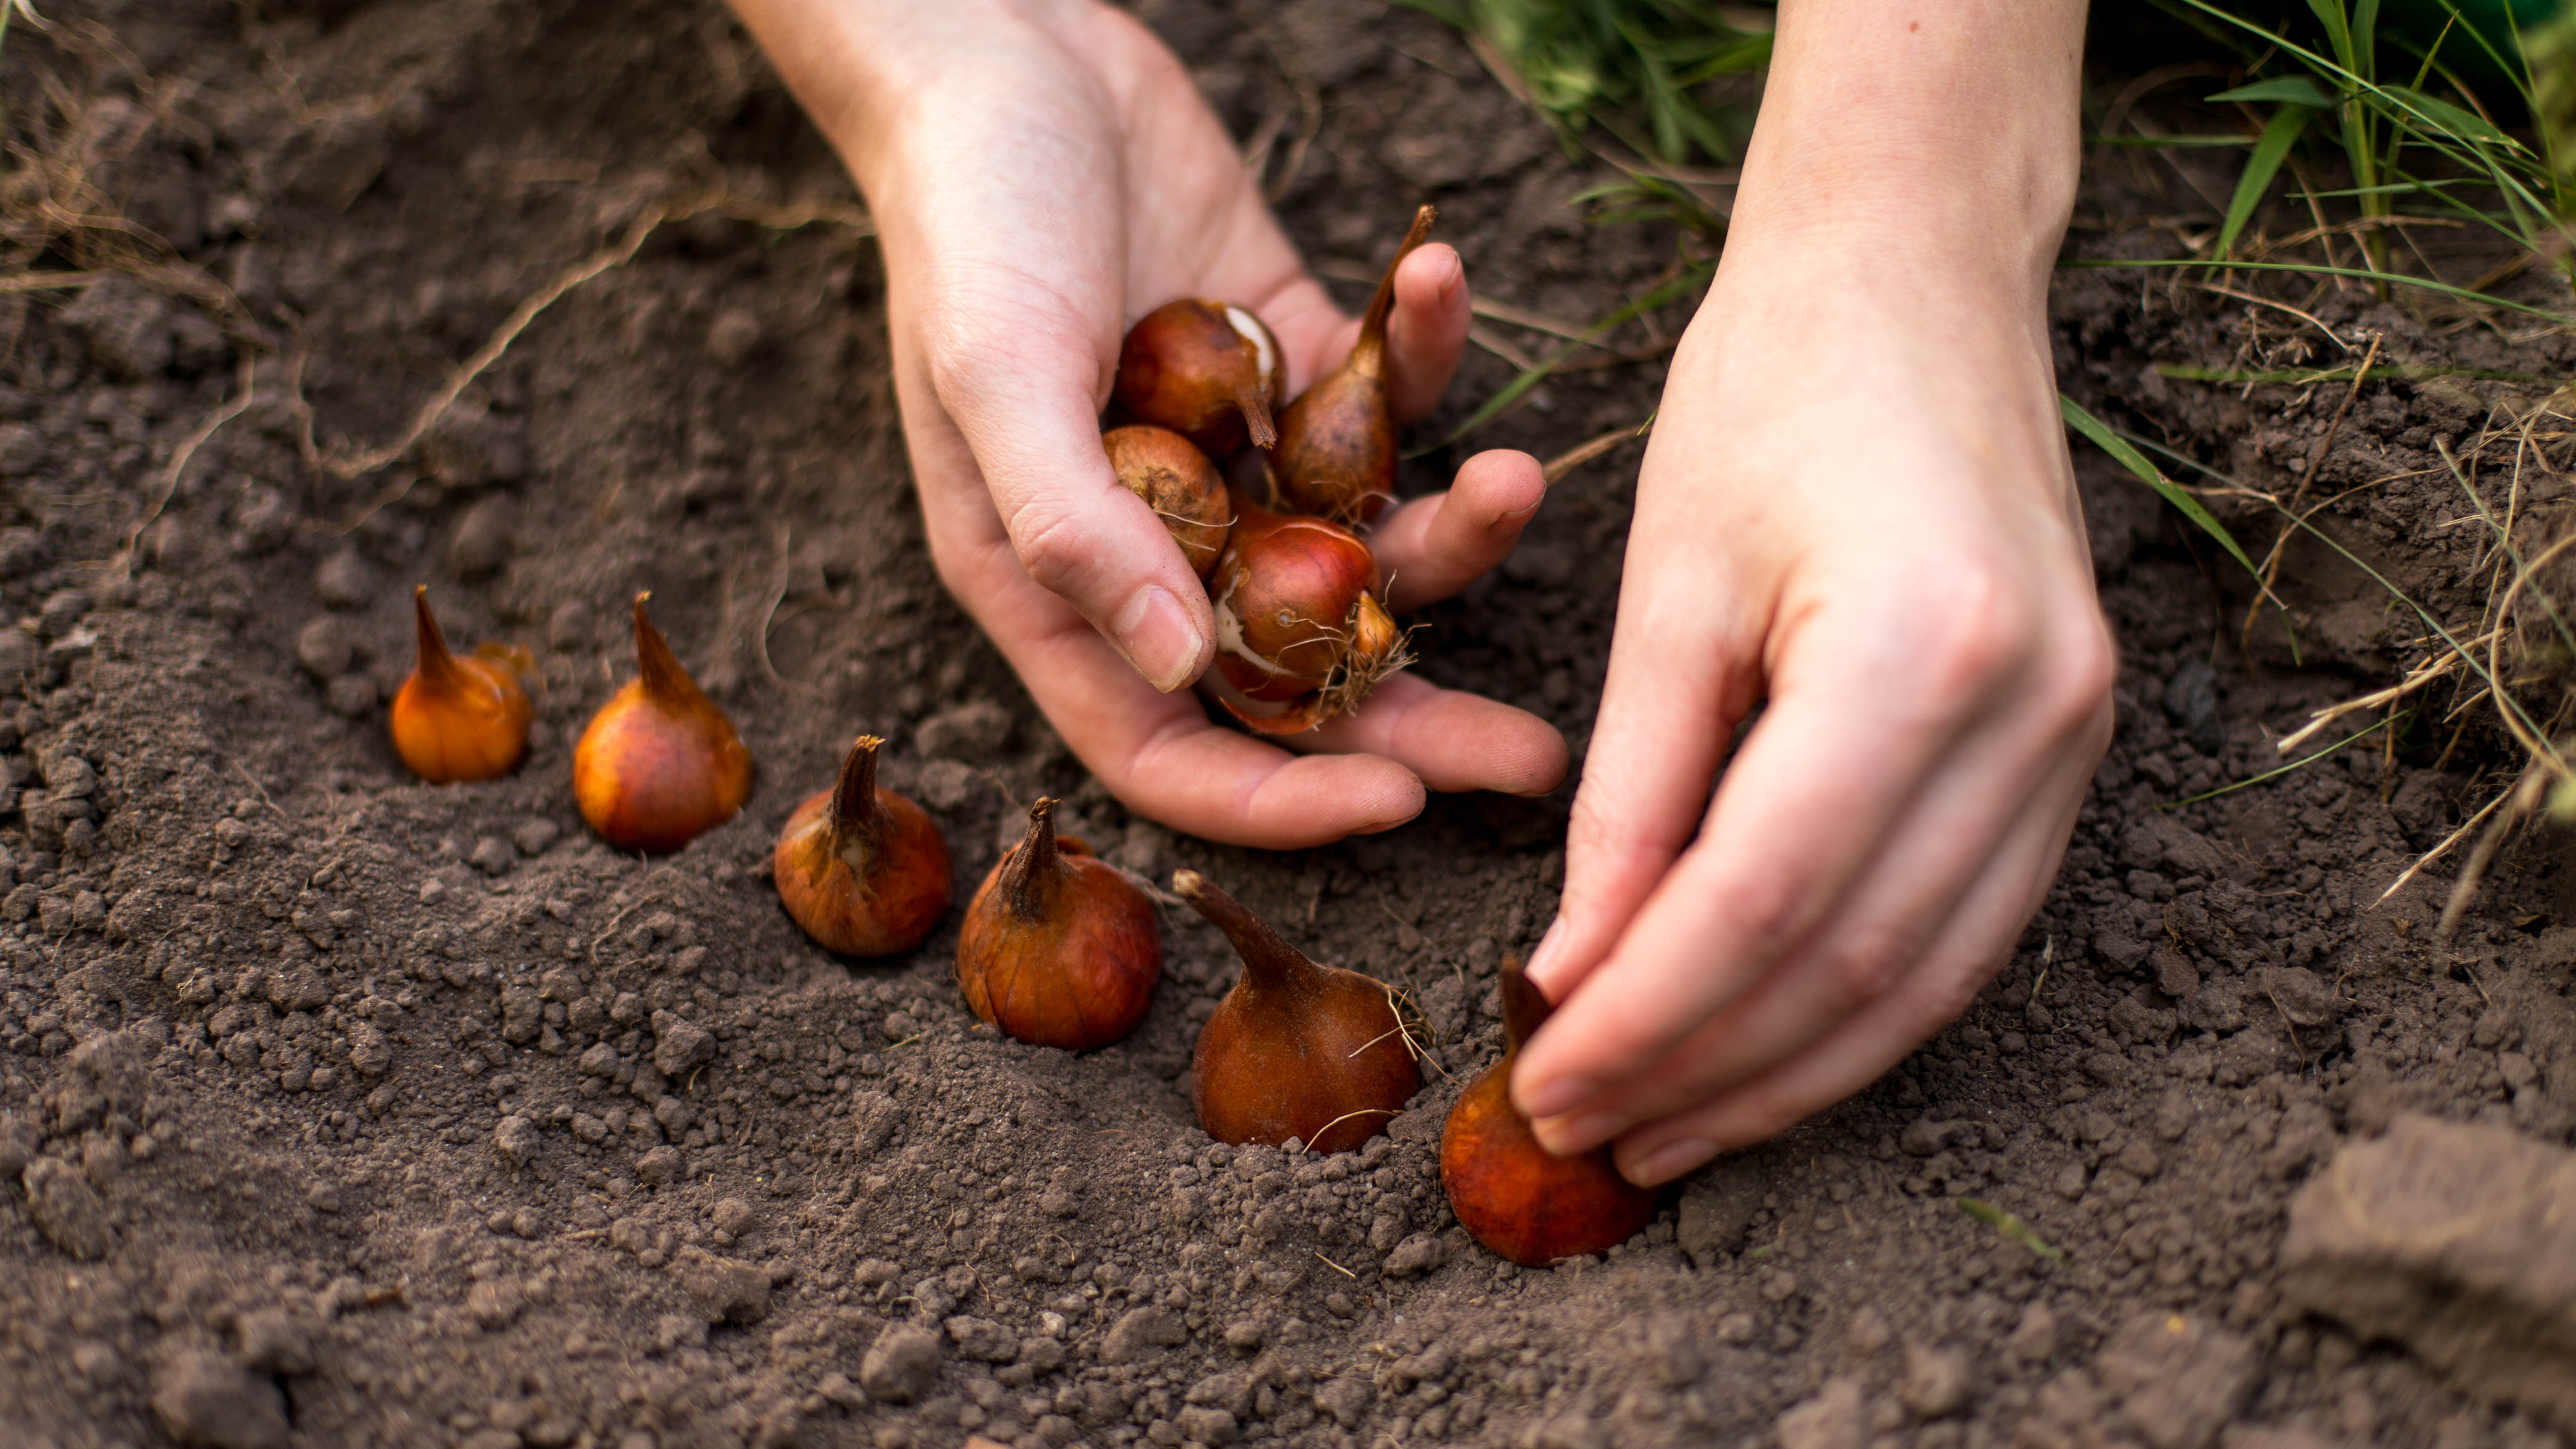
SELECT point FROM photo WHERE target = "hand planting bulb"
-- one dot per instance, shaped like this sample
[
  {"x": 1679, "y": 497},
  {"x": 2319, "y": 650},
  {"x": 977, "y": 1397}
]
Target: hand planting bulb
[
  {"x": 1336, "y": 454},
  {"x": 1298, "y": 622},
  {"x": 1514, "y": 1196},
  {"x": 1059, "y": 949},
  {"x": 1295, "y": 1049},
  {"x": 659, "y": 764},
  {"x": 861, "y": 869},
  {"x": 1178, "y": 482},
  {"x": 459, "y": 719},
  {"x": 1209, "y": 371}
]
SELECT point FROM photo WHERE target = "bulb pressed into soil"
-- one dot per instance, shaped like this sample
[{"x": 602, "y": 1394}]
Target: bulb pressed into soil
[
  {"x": 1059, "y": 949},
  {"x": 459, "y": 719},
  {"x": 659, "y": 765},
  {"x": 1178, "y": 482},
  {"x": 1295, "y": 1050},
  {"x": 861, "y": 869},
  {"x": 1511, "y": 1194},
  {"x": 1336, "y": 454},
  {"x": 1298, "y": 622},
  {"x": 1209, "y": 371}
]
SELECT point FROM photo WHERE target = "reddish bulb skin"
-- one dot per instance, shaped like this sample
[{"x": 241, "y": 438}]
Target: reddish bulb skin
[
  {"x": 1285, "y": 590},
  {"x": 458, "y": 719},
  {"x": 862, "y": 870},
  {"x": 1059, "y": 949},
  {"x": 659, "y": 764},
  {"x": 1186, "y": 366},
  {"x": 1295, "y": 1049},
  {"x": 1178, "y": 482},
  {"x": 1336, "y": 453},
  {"x": 1514, "y": 1196}
]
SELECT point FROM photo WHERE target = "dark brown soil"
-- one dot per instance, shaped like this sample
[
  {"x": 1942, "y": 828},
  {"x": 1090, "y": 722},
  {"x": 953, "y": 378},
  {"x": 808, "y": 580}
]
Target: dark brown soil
[{"x": 343, "y": 1110}]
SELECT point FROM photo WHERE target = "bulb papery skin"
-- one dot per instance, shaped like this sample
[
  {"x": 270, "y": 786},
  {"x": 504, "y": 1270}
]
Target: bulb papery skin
[
  {"x": 458, "y": 719},
  {"x": 1209, "y": 371},
  {"x": 1179, "y": 483},
  {"x": 1295, "y": 1050},
  {"x": 1285, "y": 591},
  {"x": 1336, "y": 454},
  {"x": 1058, "y": 949},
  {"x": 659, "y": 764},
  {"x": 1511, "y": 1194},
  {"x": 862, "y": 870}
]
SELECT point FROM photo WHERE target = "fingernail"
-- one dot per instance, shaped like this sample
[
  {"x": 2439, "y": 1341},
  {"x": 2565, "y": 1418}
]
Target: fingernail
[
  {"x": 1156, "y": 635},
  {"x": 1558, "y": 1095},
  {"x": 1580, "y": 1132},
  {"x": 1670, "y": 1161},
  {"x": 1542, "y": 958}
]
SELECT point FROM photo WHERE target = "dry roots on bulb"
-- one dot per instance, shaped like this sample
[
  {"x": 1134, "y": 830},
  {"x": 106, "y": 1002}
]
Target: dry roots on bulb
[
  {"x": 1059, "y": 949},
  {"x": 1206, "y": 370},
  {"x": 659, "y": 764},
  {"x": 1297, "y": 620},
  {"x": 1295, "y": 1050},
  {"x": 1515, "y": 1196},
  {"x": 861, "y": 869},
  {"x": 460, "y": 719},
  {"x": 1336, "y": 454},
  {"x": 1178, "y": 482}
]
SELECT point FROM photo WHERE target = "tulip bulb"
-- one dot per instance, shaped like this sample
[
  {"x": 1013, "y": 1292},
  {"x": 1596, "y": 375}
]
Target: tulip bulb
[
  {"x": 1206, "y": 370},
  {"x": 1336, "y": 453},
  {"x": 460, "y": 719},
  {"x": 1298, "y": 621},
  {"x": 1178, "y": 482},
  {"x": 861, "y": 869},
  {"x": 1059, "y": 949},
  {"x": 1295, "y": 1049},
  {"x": 659, "y": 765},
  {"x": 1513, "y": 1195}
]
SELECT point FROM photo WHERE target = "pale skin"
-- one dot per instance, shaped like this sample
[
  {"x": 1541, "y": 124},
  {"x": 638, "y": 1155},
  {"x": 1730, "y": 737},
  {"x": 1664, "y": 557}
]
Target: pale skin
[{"x": 1856, "y": 511}]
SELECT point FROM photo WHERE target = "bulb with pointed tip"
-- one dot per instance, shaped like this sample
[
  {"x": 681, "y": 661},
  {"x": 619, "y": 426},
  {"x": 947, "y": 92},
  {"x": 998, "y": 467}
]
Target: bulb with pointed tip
[
  {"x": 1178, "y": 482},
  {"x": 1295, "y": 1049},
  {"x": 1336, "y": 453},
  {"x": 861, "y": 869},
  {"x": 1206, "y": 370},
  {"x": 1298, "y": 622},
  {"x": 1513, "y": 1195},
  {"x": 1059, "y": 949},
  {"x": 459, "y": 719},
  {"x": 659, "y": 765}
]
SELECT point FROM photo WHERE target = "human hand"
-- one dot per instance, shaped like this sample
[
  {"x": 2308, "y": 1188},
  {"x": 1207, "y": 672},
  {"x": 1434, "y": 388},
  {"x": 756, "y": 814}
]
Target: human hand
[
  {"x": 1041, "y": 171},
  {"x": 1856, "y": 506}
]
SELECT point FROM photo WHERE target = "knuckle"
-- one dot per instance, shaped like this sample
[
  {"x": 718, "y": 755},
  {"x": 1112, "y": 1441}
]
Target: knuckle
[
  {"x": 1763, "y": 909},
  {"x": 1864, "y": 968},
  {"x": 1049, "y": 540},
  {"x": 1979, "y": 627}
]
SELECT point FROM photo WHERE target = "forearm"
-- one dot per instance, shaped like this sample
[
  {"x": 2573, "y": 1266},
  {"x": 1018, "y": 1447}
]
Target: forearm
[{"x": 1934, "y": 132}]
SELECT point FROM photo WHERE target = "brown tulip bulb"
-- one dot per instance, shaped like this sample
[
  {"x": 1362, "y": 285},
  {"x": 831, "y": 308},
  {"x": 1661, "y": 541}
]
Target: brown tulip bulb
[
  {"x": 1297, "y": 621},
  {"x": 1336, "y": 454},
  {"x": 1178, "y": 482},
  {"x": 861, "y": 869},
  {"x": 1206, "y": 370},
  {"x": 1059, "y": 949},
  {"x": 460, "y": 719},
  {"x": 659, "y": 764},
  {"x": 1295, "y": 1049},
  {"x": 1515, "y": 1196}
]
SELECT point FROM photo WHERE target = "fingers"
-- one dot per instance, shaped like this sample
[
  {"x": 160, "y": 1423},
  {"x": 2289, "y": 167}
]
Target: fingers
[
  {"x": 1428, "y": 332},
  {"x": 1158, "y": 753},
  {"x": 1453, "y": 741},
  {"x": 1991, "y": 822},
  {"x": 1862, "y": 1047},
  {"x": 1430, "y": 548},
  {"x": 1017, "y": 381},
  {"x": 1865, "y": 706}
]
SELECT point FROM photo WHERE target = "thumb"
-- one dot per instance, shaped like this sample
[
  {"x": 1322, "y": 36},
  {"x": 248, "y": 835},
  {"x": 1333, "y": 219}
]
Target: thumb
[{"x": 1027, "y": 415}]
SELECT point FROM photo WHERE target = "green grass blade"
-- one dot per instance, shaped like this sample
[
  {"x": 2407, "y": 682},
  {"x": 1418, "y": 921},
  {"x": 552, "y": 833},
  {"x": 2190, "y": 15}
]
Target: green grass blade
[
  {"x": 2011, "y": 1227},
  {"x": 2099, "y": 434},
  {"x": 2399, "y": 279},
  {"x": 2289, "y": 90},
  {"x": 2279, "y": 134}
]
